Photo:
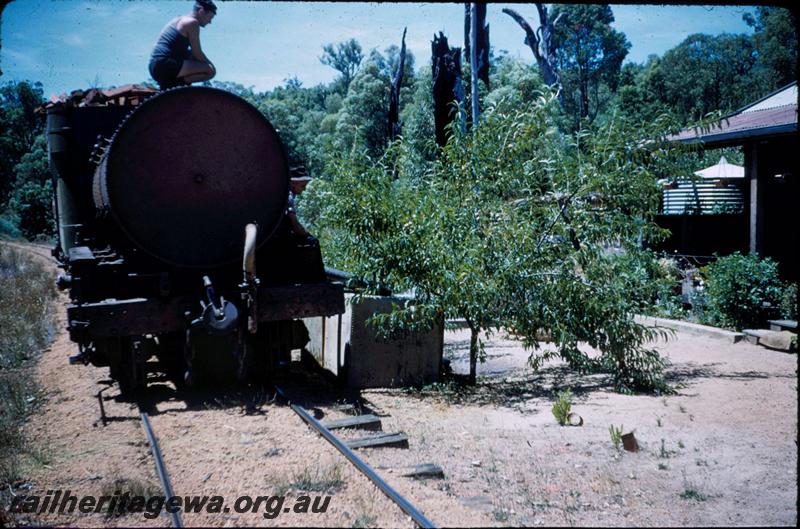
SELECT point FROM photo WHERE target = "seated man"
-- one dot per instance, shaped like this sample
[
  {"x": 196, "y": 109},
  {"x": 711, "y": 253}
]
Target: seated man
[{"x": 177, "y": 57}]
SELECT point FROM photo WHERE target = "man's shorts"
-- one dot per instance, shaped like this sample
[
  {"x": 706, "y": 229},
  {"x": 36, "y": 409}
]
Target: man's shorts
[{"x": 165, "y": 71}]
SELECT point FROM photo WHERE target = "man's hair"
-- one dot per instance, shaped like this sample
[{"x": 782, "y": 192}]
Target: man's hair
[{"x": 208, "y": 5}]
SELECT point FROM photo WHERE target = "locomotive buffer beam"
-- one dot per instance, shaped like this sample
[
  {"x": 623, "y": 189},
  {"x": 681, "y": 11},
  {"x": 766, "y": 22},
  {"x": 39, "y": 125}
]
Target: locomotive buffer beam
[{"x": 139, "y": 316}]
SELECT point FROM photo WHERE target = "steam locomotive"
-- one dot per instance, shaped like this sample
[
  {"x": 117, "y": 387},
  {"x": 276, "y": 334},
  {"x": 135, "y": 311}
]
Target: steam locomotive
[{"x": 177, "y": 239}]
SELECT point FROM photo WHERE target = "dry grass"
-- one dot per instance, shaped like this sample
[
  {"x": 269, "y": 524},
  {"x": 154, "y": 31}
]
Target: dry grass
[{"x": 27, "y": 293}]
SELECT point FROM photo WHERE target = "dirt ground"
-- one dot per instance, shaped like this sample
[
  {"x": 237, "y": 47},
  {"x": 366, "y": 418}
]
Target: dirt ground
[{"x": 723, "y": 451}]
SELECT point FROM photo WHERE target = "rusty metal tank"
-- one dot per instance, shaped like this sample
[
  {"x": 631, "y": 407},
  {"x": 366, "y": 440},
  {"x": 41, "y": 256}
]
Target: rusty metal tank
[{"x": 187, "y": 170}]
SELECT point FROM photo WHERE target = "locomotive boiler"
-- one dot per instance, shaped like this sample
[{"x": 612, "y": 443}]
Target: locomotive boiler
[{"x": 177, "y": 239}]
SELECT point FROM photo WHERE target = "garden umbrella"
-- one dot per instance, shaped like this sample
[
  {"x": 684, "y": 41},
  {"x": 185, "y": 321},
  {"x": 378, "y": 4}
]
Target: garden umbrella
[{"x": 722, "y": 169}]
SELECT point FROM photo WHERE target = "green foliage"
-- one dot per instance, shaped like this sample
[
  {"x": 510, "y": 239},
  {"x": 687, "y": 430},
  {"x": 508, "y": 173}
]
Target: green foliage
[
  {"x": 363, "y": 119},
  {"x": 589, "y": 55},
  {"x": 737, "y": 286},
  {"x": 616, "y": 435},
  {"x": 789, "y": 302},
  {"x": 32, "y": 203},
  {"x": 8, "y": 229},
  {"x": 514, "y": 83},
  {"x": 19, "y": 127},
  {"x": 31, "y": 198},
  {"x": 345, "y": 58},
  {"x": 775, "y": 42},
  {"x": 562, "y": 406},
  {"x": 509, "y": 226},
  {"x": 708, "y": 73},
  {"x": 693, "y": 494}
]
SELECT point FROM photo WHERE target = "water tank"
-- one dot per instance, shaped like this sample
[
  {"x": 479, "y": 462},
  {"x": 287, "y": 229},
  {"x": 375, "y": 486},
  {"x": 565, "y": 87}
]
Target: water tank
[{"x": 187, "y": 170}]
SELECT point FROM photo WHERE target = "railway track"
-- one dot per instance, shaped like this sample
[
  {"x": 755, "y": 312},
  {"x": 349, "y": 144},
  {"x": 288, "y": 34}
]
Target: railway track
[
  {"x": 161, "y": 468},
  {"x": 284, "y": 396},
  {"x": 359, "y": 463}
]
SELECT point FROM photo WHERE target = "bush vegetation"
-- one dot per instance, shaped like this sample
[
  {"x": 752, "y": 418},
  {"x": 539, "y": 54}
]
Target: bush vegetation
[
  {"x": 737, "y": 287},
  {"x": 562, "y": 407},
  {"x": 27, "y": 293}
]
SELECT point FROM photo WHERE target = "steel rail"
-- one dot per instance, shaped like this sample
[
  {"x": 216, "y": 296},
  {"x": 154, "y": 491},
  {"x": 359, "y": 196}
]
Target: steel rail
[
  {"x": 365, "y": 469},
  {"x": 161, "y": 469}
]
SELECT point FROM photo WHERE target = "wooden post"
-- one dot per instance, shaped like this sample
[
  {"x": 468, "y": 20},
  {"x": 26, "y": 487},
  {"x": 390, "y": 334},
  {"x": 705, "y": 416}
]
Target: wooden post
[{"x": 756, "y": 203}]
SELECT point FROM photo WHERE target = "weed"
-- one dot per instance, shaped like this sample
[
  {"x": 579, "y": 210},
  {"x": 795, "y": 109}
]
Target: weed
[
  {"x": 126, "y": 489},
  {"x": 658, "y": 421},
  {"x": 664, "y": 453},
  {"x": 364, "y": 520},
  {"x": 281, "y": 487},
  {"x": 682, "y": 408},
  {"x": 27, "y": 292},
  {"x": 693, "y": 494},
  {"x": 326, "y": 480},
  {"x": 501, "y": 515},
  {"x": 662, "y": 466},
  {"x": 562, "y": 406},
  {"x": 701, "y": 463},
  {"x": 681, "y": 445},
  {"x": 616, "y": 435}
]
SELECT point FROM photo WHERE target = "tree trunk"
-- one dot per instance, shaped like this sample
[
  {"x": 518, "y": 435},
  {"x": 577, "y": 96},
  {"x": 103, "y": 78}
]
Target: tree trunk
[
  {"x": 481, "y": 43},
  {"x": 447, "y": 87},
  {"x": 542, "y": 48},
  {"x": 467, "y": 30},
  {"x": 473, "y": 61},
  {"x": 473, "y": 352},
  {"x": 394, "y": 94}
]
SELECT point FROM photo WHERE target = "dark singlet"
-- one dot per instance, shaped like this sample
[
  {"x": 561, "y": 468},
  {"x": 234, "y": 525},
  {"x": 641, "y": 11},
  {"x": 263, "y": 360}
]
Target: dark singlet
[
  {"x": 171, "y": 44},
  {"x": 167, "y": 58}
]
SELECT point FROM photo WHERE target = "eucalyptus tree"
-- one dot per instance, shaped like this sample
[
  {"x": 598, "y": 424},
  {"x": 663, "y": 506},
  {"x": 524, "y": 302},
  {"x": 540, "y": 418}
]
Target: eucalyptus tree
[
  {"x": 775, "y": 41},
  {"x": 588, "y": 56},
  {"x": 345, "y": 57}
]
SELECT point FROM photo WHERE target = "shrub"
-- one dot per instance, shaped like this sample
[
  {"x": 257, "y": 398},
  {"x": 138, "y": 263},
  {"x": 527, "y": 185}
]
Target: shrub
[
  {"x": 27, "y": 291},
  {"x": 562, "y": 406},
  {"x": 8, "y": 229},
  {"x": 737, "y": 286},
  {"x": 789, "y": 302},
  {"x": 616, "y": 435}
]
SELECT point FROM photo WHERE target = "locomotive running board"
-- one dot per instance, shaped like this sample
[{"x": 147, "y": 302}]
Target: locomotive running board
[{"x": 139, "y": 316}]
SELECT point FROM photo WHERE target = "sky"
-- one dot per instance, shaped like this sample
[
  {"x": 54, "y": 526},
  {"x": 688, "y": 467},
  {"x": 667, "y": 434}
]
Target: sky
[{"x": 71, "y": 44}]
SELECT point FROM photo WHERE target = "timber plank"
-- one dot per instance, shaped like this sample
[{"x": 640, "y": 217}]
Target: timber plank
[
  {"x": 426, "y": 470},
  {"x": 362, "y": 422},
  {"x": 399, "y": 440}
]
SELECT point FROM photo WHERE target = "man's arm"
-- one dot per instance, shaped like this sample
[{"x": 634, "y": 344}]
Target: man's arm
[{"x": 192, "y": 28}]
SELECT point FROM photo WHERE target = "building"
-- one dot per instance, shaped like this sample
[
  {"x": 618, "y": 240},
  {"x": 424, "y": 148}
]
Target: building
[{"x": 767, "y": 132}]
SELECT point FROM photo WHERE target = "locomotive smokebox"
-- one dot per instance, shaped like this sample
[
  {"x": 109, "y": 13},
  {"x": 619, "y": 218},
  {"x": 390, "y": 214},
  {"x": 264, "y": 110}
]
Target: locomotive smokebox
[{"x": 187, "y": 170}]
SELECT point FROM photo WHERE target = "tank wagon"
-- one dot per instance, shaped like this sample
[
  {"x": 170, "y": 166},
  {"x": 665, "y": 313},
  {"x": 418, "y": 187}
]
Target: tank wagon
[{"x": 177, "y": 240}]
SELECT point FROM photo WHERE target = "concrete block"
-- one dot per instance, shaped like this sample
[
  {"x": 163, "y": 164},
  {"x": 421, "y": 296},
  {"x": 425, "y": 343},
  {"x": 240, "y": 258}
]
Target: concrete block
[{"x": 345, "y": 345}]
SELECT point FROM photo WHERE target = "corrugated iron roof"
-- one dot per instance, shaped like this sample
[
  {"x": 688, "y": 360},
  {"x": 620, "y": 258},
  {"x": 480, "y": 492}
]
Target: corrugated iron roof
[
  {"x": 781, "y": 98},
  {"x": 771, "y": 115},
  {"x": 129, "y": 94}
]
